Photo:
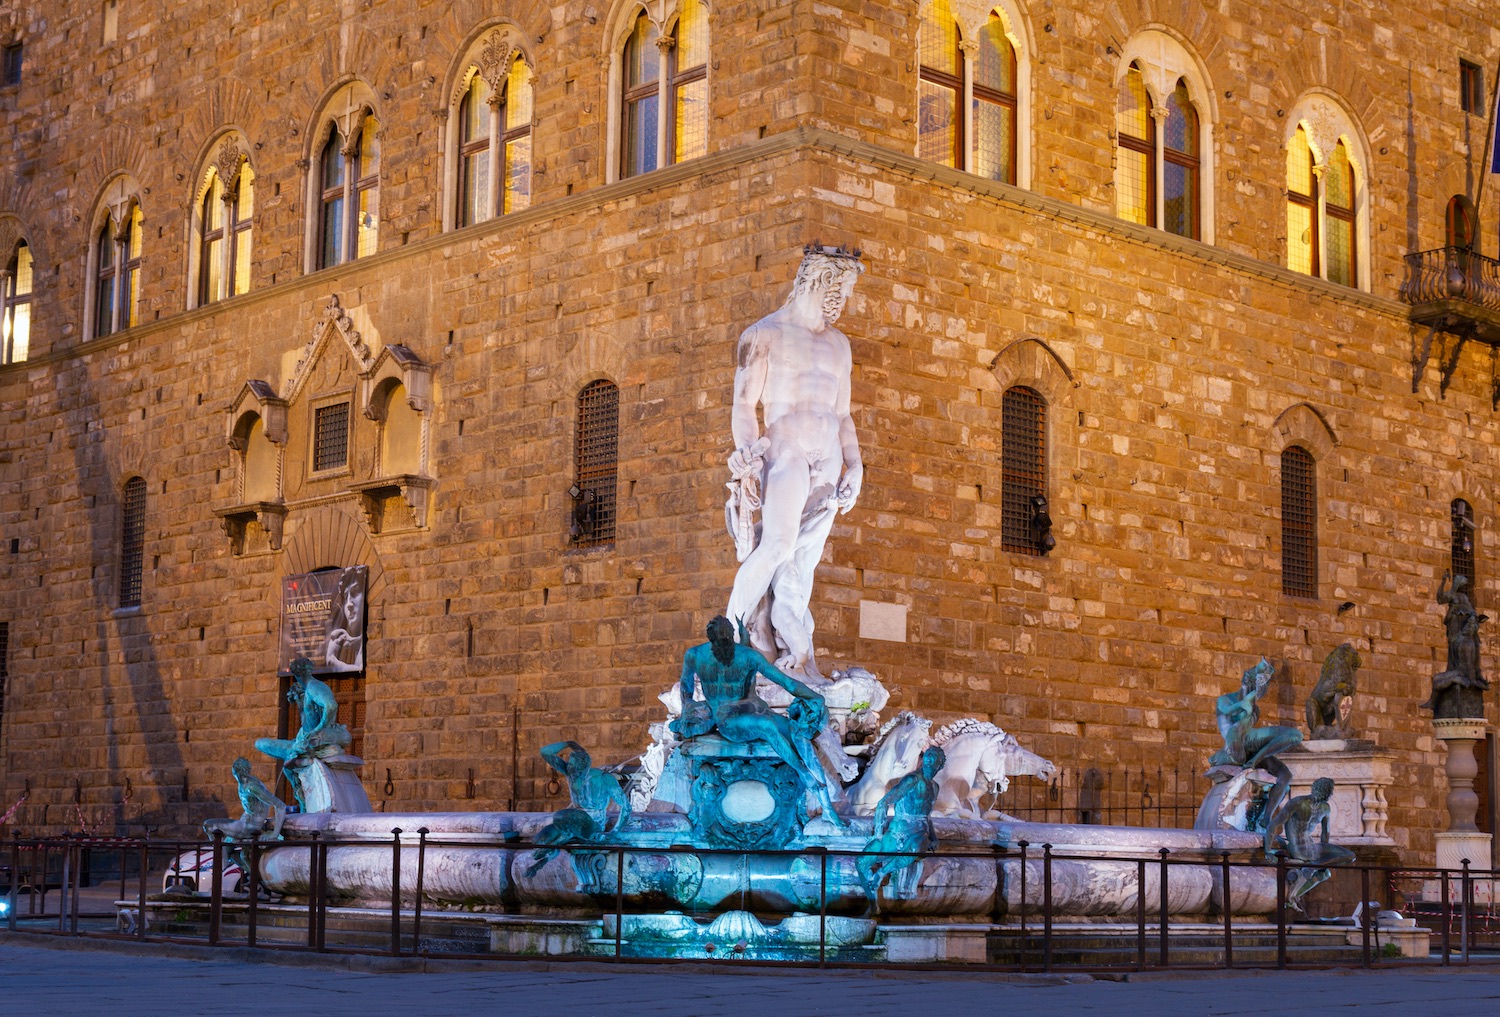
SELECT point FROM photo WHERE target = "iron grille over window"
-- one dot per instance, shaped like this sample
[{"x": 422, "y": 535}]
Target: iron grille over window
[
  {"x": 595, "y": 463},
  {"x": 330, "y": 437},
  {"x": 1023, "y": 467},
  {"x": 1463, "y": 545},
  {"x": 1299, "y": 523},
  {"x": 132, "y": 541}
]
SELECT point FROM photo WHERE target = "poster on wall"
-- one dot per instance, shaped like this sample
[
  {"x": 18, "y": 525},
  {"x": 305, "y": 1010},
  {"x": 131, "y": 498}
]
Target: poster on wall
[{"x": 323, "y": 619}]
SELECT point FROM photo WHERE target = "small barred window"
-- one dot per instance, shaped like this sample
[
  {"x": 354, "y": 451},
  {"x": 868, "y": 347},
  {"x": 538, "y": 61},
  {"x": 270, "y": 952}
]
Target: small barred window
[
  {"x": 1464, "y": 535},
  {"x": 330, "y": 437},
  {"x": 595, "y": 464},
  {"x": 1023, "y": 452},
  {"x": 1299, "y": 523},
  {"x": 132, "y": 541}
]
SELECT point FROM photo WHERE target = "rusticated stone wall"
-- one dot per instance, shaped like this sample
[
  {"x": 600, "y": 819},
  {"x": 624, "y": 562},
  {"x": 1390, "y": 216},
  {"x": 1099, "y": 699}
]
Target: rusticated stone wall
[{"x": 1175, "y": 372}]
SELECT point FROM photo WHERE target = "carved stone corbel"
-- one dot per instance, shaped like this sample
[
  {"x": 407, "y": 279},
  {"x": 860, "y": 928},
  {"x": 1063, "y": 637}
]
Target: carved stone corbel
[
  {"x": 236, "y": 519},
  {"x": 373, "y": 494}
]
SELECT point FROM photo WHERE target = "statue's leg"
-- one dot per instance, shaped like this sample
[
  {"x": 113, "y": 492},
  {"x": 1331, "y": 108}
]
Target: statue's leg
[
  {"x": 793, "y": 584},
  {"x": 786, "y": 487},
  {"x": 1274, "y": 797}
]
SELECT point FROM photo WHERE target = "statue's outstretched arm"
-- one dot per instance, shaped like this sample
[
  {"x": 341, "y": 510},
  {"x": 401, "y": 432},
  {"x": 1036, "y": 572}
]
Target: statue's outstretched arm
[{"x": 772, "y": 673}]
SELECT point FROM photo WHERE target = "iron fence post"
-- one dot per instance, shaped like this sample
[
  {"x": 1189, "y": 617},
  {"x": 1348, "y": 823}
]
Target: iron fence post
[
  {"x": 1228, "y": 910},
  {"x": 396, "y": 891},
  {"x": 15, "y": 880},
  {"x": 1023, "y": 845},
  {"x": 416, "y": 920},
  {"x": 142, "y": 866},
  {"x": 1046, "y": 907},
  {"x": 1163, "y": 883},
  {"x": 1364, "y": 914},
  {"x": 1447, "y": 918},
  {"x": 619, "y": 900},
  {"x": 322, "y": 896},
  {"x": 1466, "y": 904},
  {"x": 1280, "y": 911},
  {"x": 62, "y": 903},
  {"x": 997, "y": 911},
  {"x": 216, "y": 895},
  {"x": 252, "y": 884},
  {"x": 77, "y": 887},
  {"x": 312, "y": 891},
  {"x": 823, "y": 905},
  {"x": 1140, "y": 914}
]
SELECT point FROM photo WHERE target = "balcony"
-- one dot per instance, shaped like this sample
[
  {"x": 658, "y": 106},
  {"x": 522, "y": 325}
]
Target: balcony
[{"x": 1454, "y": 291}]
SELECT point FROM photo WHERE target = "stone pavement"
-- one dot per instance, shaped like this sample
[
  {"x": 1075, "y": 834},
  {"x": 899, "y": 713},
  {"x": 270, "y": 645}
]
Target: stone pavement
[{"x": 80, "y": 977}]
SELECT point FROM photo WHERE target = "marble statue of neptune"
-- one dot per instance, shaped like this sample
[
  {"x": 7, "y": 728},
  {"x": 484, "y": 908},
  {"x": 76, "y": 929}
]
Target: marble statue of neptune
[{"x": 797, "y": 461}]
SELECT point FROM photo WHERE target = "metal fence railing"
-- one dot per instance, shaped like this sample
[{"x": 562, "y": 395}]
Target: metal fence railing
[
  {"x": 1128, "y": 796},
  {"x": 1452, "y": 273},
  {"x": 55, "y": 887}
]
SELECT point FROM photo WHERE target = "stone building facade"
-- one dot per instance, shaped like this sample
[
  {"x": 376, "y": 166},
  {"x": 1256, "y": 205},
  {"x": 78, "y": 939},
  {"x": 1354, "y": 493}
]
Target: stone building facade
[{"x": 1173, "y": 371}]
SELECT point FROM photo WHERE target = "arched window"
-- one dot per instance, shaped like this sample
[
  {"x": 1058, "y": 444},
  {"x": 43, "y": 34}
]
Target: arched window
[
  {"x": 1164, "y": 115},
  {"x": 676, "y": 83},
  {"x": 15, "y": 306},
  {"x": 494, "y": 145},
  {"x": 1338, "y": 203},
  {"x": 994, "y": 87},
  {"x": 1135, "y": 180},
  {"x": 595, "y": 464},
  {"x": 117, "y": 280},
  {"x": 1462, "y": 223},
  {"x": 1180, "y": 165},
  {"x": 1302, "y": 244},
  {"x": 1327, "y": 215},
  {"x": 642, "y": 98},
  {"x": 982, "y": 68},
  {"x": 224, "y": 215},
  {"x": 344, "y": 181},
  {"x": 1299, "y": 522},
  {"x": 1465, "y": 539},
  {"x": 1025, "y": 521},
  {"x": 940, "y": 88},
  {"x": 132, "y": 541},
  {"x": 1158, "y": 150}
]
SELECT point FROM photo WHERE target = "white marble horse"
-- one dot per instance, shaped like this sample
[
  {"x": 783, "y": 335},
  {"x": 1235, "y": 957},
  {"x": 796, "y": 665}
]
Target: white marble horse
[
  {"x": 898, "y": 750},
  {"x": 981, "y": 759}
]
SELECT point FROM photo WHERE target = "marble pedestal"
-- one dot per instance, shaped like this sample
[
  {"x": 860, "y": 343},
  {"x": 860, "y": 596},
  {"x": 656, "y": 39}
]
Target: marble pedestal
[
  {"x": 1360, "y": 772},
  {"x": 1463, "y": 839},
  {"x": 329, "y": 783}
]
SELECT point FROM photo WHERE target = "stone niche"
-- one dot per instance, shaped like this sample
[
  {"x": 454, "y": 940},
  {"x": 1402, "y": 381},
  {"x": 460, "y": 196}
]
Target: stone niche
[{"x": 257, "y": 438}]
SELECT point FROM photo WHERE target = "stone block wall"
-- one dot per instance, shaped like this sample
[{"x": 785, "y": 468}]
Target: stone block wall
[{"x": 1174, "y": 372}]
